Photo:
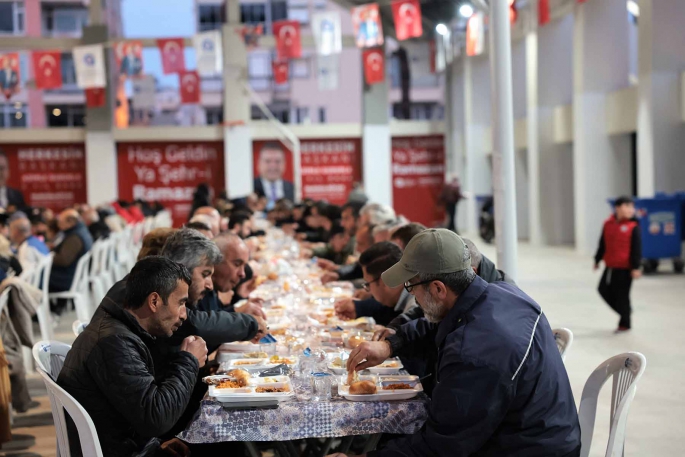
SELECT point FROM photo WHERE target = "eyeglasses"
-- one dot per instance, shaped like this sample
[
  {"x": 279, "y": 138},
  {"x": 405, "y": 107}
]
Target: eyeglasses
[
  {"x": 409, "y": 287},
  {"x": 367, "y": 285}
]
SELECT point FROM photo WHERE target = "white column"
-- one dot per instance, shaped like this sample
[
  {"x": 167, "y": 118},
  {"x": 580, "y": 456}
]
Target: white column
[
  {"x": 376, "y": 144},
  {"x": 470, "y": 159},
  {"x": 661, "y": 132},
  {"x": 101, "y": 166},
  {"x": 503, "y": 140},
  {"x": 534, "y": 223},
  {"x": 237, "y": 137},
  {"x": 601, "y": 163}
]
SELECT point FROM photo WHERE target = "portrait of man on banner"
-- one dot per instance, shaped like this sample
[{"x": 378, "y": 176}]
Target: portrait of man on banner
[
  {"x": 130, "y": 58},
  {"x": 368, "y": 31},
  {"x": 272, "y": 181},
  {"x": 9, "y": 74}
]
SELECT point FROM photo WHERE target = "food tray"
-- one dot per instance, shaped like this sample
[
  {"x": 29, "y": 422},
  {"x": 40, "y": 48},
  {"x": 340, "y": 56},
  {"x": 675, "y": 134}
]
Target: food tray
[
  {"x": 381, "y": 394},
  {"x": 390, "y": 366}
]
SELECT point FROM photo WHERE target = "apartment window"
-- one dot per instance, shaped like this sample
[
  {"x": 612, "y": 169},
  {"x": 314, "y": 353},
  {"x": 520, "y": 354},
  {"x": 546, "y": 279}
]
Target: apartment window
[
  {"x": 13, "y": 115},
  {"x": 279, "y": 10},
  {"x": 299, "y": 13},
  {"x": 322, "y": 115},
  {"x": 214, "y": 115},
  {"x": 301, "y": 115},
  {"x": 12, "y": 18},
  {"x": 64, "y": 21},
  {"x": 320, "y": 4},
  {"x": 68, "y": 70},
  {"x": 65, "y": 115},
  {"x": 421, "y": 111},
  {"x": 259, "y": 70},
  {"x": 211, "y": 17},
  {"x": 299, "y": 68},
  {"x": 253, "y": 13}
]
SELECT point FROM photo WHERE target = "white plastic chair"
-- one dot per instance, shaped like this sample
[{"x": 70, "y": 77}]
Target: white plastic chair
[
  {"x": 98, "y": 283},
  {"x": 78, "y": 292},
  {"x": 78, "y": 327},
  {"x": 4, "y": 298},
  {"x": 564, "y": 339},
  {"x": 44, "y": 353},
  {"x": 41, "y": 280},
  {"x": 626, "y": 370}
]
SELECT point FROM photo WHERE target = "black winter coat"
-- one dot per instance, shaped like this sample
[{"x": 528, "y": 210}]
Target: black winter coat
[{"x": 110, "y": 372}]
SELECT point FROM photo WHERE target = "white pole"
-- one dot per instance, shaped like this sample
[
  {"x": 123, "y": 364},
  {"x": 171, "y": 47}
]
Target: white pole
[{"x": 503, "y": 138}]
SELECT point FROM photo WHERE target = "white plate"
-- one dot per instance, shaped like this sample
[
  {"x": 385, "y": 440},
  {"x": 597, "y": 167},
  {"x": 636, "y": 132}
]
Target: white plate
[
  {"x": 380, "y": 369},
  {"x": 239, "y": 346},
  {"x": 246, "y": 364},
  {"x": 381, "y": 395},
  {"x": 226, "y": 396},
  {"x": 337, "y": 370}
]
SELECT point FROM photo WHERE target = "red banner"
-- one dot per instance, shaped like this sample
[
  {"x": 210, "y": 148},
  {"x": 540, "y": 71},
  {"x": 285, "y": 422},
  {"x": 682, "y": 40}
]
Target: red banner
[
  {"x": 288, "y": 43},
  {"x": 95, "y": 97},
  {"x": 47, "y": 69},
  {"x": 169, "y": 173},
  {"x": 129, "y": 58},
  {"x": 49, "y": 175},
  {"x": 418, "y": 175},
  {"x": 374, "y": 66},
  {"x": 173, "y": 58},
  {"x": 10, "y": 74},
  {"x": 189, "y": 85},
  {"x": 280, "y": 71},
  {"x": 407, "y": 14},
  {"x": 543, "y": 12}
]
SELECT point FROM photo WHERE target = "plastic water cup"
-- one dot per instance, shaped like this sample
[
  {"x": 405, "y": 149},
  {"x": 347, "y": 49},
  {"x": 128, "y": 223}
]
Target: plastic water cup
[{"x": 321, "y": 386}]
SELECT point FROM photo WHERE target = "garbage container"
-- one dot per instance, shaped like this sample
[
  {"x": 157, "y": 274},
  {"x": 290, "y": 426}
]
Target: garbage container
[{"x": 661, "y": 223}]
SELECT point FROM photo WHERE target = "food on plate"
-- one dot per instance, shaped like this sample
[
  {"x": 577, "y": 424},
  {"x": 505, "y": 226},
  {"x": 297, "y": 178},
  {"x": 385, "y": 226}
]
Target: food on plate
[
  {"x": 242, "y": 377},
  {"x": 246, "y": 362},
  {"x": 286, "y": 286},
  {"x": 351, "y": 377},
  {"x": 259, "y": 280},
  {"x": 279, "y": 331},
  {"x": 362, "y": 388},
  {"x": 337, "y": 362},
  {"x": 215, "y": 380},
  {"x": 277, "y": 359},
  {"x": 269, "y": 380},
  {"x": 256, "y": 355},
  {"x": 399, "y": 385},
  {"x": 268, "y": 390},
  {"x": 228, "y": 384},
  {"x": 272, "y": 276},
  {"x": 354, "y": 341},
  {"x": 389, "y": 364}
]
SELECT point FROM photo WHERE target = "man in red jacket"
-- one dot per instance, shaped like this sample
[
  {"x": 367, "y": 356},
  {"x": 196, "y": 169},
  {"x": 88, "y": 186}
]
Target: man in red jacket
[{"x": 620, "y": 246}]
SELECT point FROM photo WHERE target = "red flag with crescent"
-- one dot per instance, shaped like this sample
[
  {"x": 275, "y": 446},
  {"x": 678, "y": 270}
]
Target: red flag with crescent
[
  {"x": 173, "y": 59},
  {"x": 407, "y": 14},
  {"x": 288, "y": 43},
  {"x": 95, "y": 97},
  {"x": 47, "y": 69},
  {"x": 189, "y": 83},
  {"x": 280, "y": 71},
  {"x": 374, "y": 66}
]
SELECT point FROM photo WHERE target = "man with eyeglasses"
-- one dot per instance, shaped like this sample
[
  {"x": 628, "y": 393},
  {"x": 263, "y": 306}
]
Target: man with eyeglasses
[
  {"x": 501, "y": 386},
  {"x": 374, "y": 261}
]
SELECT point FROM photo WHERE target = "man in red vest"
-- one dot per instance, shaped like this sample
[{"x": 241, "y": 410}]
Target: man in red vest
[{"x": 620, "y": 246}]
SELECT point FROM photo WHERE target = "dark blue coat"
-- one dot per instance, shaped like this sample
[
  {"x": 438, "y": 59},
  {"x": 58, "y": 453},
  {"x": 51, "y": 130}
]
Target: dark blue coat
[{"x": 501, "y": 387}]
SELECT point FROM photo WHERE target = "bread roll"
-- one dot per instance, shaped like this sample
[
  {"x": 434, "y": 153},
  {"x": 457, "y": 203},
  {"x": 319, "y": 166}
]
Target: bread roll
[
  {"x": 362, "y": 388},
  {"x": 241, "y": 376}
]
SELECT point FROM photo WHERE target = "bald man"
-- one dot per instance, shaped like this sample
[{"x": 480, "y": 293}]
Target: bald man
[
  {"x": 213, "y": 213},
  {"x": 30, "y": 250},
  {"x": 76, "y": 242},
  {"x": 207, "y": 220}
]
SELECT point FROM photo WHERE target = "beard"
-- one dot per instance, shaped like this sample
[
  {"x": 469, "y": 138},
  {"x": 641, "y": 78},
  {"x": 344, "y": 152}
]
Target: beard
[{"x": 433, "y": 310}]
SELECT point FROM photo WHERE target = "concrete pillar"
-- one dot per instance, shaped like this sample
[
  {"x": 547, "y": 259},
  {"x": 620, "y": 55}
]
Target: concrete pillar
[
  {"x": 601, "y": 163},
  {"x": 532, "y": 133},
  {"x": 376, "y": 146},
  {"x": 101, "y": 158},
  {"x": 661, "y": 132},
  {"x": 456, "y": 125},
  {"x": 238, "y": 137}
]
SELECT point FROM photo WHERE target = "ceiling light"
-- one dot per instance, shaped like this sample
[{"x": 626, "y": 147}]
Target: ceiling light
[
  {"x": 466, "y": 10},
  {"x": 56, "y": 112},
  {"x": 633, "y": 8},
  {"x": 442, "y": 29}
]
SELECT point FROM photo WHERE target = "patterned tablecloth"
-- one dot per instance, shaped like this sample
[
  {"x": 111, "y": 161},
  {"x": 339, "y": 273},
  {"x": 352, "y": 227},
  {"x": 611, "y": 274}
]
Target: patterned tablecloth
[{"x": 297, "y": 420}]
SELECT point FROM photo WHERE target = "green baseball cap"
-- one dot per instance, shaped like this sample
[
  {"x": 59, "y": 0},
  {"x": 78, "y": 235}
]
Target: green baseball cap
[{"x": 432, "y": 251}]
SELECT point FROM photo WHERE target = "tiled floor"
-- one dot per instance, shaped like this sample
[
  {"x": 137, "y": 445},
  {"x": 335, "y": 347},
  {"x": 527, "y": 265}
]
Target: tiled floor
[{"x": 563, "y": 282}]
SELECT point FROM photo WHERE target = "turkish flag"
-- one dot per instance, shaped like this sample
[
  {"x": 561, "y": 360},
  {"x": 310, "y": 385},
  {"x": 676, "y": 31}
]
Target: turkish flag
[
  {"x": 173, "y": 59},
  {"x": 407, "y": 14},
  {"x": 189, "y": 82},
  {"x": 280, "y": 70},
  {"x": 47, "y": 69},
  {"x": 95, "y": 97},
  {"x": 543, "y": 12},
  {"x": 374, "y": 66},
  {"x": 288, "y": 43}
]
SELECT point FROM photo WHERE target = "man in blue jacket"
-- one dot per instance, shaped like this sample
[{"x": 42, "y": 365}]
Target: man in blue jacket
[{"x": 501, "y": 387}]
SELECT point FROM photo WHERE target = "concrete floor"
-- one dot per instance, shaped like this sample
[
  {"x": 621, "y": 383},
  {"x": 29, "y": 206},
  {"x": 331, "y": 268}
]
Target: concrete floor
[{"x": 564, "y": 284}]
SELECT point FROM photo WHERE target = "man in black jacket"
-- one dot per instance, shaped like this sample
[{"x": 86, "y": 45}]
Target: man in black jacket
[{"x": 110, "y": 370}]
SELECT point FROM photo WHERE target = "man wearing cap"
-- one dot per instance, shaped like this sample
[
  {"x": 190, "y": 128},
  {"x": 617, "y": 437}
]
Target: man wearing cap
[{"x": 501, "y": 387}]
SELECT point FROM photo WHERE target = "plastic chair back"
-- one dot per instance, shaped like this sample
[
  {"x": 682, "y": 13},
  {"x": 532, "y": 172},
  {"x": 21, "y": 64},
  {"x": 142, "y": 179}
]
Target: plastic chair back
[
  {"x": 49, "y": 356},
  {"x": 61, "y": 400},
  {"x": 78, "y": 327},
  {"x": 4, "y": 298},
  {"x": 626, "y": 370},
  {"x": 564, "y": 339},
  {"x": 42, "y": 281}
]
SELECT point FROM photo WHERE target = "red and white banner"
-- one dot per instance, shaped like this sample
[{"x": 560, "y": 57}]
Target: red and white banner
[
  {"x": 49, "y": 175},
  {"x": 368, "y": 31},
  {"x": 374, "y": 66},
  {"x": 189, "y": 86},
  {"x": 173, "y": 58},
  {"x": 418, "y": 175},
  {"x": 95, "y": 97},
  {"x": 47, "y": 69},
  {"x": 169, "y": 173},
  {"x": 407, "y": 14},
  {"x": 288, "y": 43},
  {"x": 10, "y": 74},
  {"x": 129, "y": 57},
  {"x": 475, "y": 35},
  {"x": 543, "y": 12},
  {"x": 280, "y": 71}
]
